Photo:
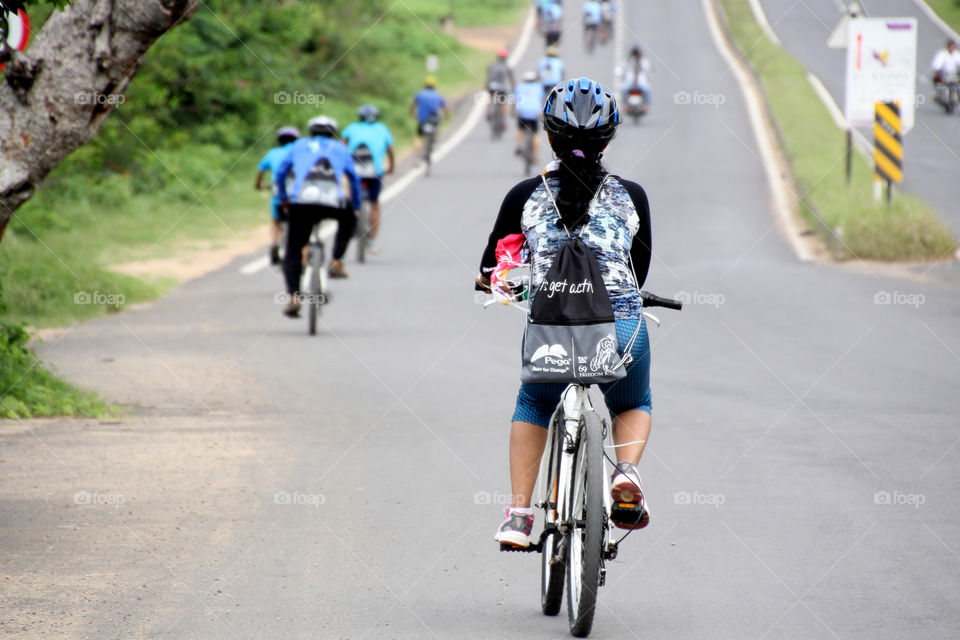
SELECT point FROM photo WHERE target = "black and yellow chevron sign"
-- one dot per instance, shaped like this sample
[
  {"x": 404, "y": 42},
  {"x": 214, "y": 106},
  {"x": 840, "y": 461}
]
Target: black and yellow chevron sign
[{"x": 888, "y": 142}]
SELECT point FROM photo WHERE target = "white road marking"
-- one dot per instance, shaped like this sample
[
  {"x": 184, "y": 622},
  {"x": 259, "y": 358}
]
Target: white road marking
[
  {"x": 781, "y": 193},
  {"x": 403, "y": 182},
  {"x": 761, "y": 16}
]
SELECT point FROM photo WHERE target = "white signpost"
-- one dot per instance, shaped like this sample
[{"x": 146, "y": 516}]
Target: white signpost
[{"x": 881, "y": 67}]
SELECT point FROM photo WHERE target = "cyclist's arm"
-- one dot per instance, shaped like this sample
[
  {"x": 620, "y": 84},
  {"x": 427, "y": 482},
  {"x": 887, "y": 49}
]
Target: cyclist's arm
[
  {"x": 390, "y": 158},
  {"x": 280, "y": 177},
  {"x": 259, "y": 184},
  {"x": 641, "y": 250},
  {"x": 508, "y": 221}
]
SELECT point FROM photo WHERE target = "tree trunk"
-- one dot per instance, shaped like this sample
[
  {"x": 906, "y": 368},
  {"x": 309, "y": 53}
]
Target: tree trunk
[{"x": 55, "y": 96}]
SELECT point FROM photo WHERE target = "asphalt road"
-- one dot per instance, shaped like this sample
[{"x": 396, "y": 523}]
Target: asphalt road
[
  {"x": 802, "y": 467},
  {"x": 932, "y": 147}
]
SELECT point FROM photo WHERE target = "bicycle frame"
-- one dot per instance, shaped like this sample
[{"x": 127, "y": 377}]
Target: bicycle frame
[{"x": 575, "y": 404}]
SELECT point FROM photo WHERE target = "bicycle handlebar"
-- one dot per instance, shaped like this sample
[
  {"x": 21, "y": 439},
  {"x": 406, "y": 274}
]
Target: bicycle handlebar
[{"x": 652, "y": 300}]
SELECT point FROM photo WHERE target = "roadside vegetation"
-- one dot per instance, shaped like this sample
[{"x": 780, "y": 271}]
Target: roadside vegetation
[
  {"x": 176, "y": 160},
  {"x": 949, "y": 10},
  {"x": 846, "y": 216}
]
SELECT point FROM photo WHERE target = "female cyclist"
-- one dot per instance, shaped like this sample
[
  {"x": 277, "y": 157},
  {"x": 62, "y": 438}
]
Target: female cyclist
[{"x": 580, "y": 118}]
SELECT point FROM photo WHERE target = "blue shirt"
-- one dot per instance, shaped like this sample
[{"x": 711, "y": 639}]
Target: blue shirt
[
  {"x": 592, "y": 12},
  {"x": 271, "y": 161},
  {"x": 301, "y": 157},
  {"x": 428, "y": 103},
  {"x": 551, "y": 71},
  {"x": 273, "y": 157},
  {"x": 529, "y": 97},
  {"x": 552, "y": 12},
  {"x": 375, "y": 135}
]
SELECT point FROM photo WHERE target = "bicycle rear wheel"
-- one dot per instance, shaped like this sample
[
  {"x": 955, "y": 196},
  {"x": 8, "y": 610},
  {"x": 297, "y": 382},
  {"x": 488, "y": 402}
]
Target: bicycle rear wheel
[
  {"x": 363, "y": 231},
  {"x": 585, "y": 540}
]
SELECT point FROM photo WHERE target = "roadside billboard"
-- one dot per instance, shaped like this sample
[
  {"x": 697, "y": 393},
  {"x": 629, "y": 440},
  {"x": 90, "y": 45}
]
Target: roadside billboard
[{"x": 881, "y": 67}]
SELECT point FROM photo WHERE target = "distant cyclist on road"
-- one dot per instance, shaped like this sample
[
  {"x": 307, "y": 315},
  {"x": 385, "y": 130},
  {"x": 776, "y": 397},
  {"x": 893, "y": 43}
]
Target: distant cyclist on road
[
  {"x": 427, "y": 104},
  {"x": 285, "y": 137},
  {"x": 376, "y": 137},
  {"x": 319, "y": 164},
  {"x": 551, "y": 70},
  {"x": 552, "y": 16},
  {"x": 528, "y": 103},
  {"x": 592, "y": 17},
  {"x": 500, "y": 82},
  {"x": 580, "y": 118}
]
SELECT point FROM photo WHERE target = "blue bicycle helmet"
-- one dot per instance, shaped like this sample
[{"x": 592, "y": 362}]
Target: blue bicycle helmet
[
  {"x": 581, "y": 110},
  {"x": 368, "y": 113}
]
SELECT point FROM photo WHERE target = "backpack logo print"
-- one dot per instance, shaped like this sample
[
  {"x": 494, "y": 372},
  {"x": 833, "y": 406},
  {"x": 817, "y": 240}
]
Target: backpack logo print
[
  {"x": 545, "y": 351},
  {"x": 606, "y": 355}
]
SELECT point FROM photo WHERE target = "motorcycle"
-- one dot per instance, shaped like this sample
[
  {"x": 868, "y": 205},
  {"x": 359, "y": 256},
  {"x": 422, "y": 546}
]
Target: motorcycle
[
  {"x": 947, "y": 91},
  {"x": 636, "y": 104}
]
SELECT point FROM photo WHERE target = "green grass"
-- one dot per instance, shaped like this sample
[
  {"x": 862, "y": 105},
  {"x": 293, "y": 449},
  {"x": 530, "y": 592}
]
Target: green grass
[
  {"x": 28, "y": 390},
  {"x": 846, "y": 215},
  {"x": 949, "y": 10},
  {"x": 176, "y": 162}
]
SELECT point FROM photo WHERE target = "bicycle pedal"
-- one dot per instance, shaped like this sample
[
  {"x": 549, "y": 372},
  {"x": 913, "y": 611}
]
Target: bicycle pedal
[
  {"x": 626, "y": 513},
  {"x": 506, "y": 546}
]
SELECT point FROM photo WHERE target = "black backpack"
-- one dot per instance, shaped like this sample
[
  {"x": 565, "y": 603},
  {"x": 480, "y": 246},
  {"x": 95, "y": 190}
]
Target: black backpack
[{"x": 572, "y": 336}]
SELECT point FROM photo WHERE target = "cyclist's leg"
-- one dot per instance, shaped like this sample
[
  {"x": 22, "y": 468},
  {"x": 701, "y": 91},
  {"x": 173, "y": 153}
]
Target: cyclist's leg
[
  {"x": 346, "y": 226},
  {"x": 519, "y": 149},
  {"x": 374, "y": 186},
  {"x": 629, "y": 399},
  {"x": 299, "y": 225},
  {"x": 528, "y": 435}
]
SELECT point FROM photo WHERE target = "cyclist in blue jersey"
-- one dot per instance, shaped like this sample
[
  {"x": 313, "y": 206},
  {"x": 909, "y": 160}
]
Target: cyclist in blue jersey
[
  {"x": 376, "y": 137},
  {"x": 318, "y": 164},
  {"x": 285, "y": 137},
  {"x": 552, "y": 20},
  {"x": 528, "y": 103},
  {"x": 551, "y": 70},
  {"x": 428, "y": 103}
]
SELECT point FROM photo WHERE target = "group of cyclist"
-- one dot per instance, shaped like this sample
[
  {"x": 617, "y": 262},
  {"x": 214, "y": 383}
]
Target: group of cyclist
[
  {"x": 326, "y": 175},
  {"x": 528, "y": 97},
  {"x": 598, "y": 17}
]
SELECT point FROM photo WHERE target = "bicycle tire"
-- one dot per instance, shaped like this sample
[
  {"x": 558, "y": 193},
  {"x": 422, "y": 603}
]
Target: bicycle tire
[
  {"x": 315, "y": 289},
  {"x": 552, "y": 572},
  {"x": 362, "y": 231},
  {"x": 585, "y": 543},
  {"x": 428, "y": 152}
]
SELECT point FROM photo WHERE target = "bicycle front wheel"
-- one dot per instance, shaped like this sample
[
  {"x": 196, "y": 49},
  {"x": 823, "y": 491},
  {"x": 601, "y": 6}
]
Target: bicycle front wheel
[
  {"x": 314, "y": 288},
  {"x": 585, "y": 539}
]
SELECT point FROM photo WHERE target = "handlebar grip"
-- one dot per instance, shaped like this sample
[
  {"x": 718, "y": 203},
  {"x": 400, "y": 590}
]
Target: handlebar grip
[{"x": 652, "y": 300}]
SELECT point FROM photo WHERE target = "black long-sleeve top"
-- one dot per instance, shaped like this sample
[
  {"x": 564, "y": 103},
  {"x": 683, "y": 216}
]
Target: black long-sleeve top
[{"x": 511, "y": 211}]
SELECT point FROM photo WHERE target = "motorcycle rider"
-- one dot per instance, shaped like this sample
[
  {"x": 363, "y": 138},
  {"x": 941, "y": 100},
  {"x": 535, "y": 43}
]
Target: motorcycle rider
[
  {"x": 946, "y": 68},
  {"x": 635, "y": 75}
]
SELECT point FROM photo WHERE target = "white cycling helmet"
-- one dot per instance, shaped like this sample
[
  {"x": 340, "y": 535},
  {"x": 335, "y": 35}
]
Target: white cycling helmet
[
  {"x": 322, "y": 125},
  {"x": 531, "y": 76}
]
